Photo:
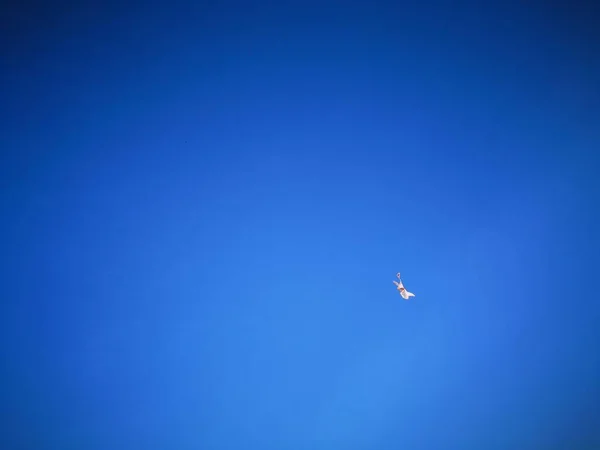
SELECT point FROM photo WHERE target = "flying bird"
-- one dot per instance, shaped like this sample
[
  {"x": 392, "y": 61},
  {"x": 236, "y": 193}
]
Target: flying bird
[{"x": 401, "y": 289}]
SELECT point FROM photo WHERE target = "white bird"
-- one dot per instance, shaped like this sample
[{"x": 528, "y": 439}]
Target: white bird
[{"x": 401, "y": 289}]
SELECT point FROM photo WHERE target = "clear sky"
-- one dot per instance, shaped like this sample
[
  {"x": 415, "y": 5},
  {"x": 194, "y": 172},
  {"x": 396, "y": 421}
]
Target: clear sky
[{"x": 203, "y": 209}]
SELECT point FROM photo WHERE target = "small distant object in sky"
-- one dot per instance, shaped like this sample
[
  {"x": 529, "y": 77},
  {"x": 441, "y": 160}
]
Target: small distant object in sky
[{"x": 401, "y": 289}]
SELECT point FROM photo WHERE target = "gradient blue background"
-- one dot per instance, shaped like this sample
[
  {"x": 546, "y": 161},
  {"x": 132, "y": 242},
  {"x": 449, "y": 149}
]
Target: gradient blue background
[{"x": 203, "y": 209}]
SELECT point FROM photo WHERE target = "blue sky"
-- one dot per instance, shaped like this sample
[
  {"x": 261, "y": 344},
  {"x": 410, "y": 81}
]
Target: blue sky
[{"x": 204, "y": 209}]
